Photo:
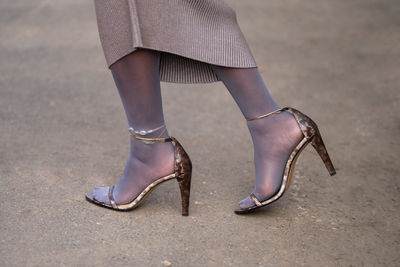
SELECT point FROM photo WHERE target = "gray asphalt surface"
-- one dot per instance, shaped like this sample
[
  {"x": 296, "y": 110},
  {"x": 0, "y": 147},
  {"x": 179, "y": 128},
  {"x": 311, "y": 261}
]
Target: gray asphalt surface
[{"x": 63, "y": 130}]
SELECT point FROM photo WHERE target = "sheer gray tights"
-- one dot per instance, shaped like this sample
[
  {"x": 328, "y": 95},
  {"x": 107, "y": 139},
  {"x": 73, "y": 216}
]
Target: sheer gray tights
[
  {"x": 137, "y": 79},
  {"x": 274, "y": 137}
]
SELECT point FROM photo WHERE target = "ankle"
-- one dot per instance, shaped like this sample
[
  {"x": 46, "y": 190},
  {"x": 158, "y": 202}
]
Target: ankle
[
  {"x": 146, "y": 143},
  {"x": 142, "y": 151},
  {"x": 273, "y": 123}
]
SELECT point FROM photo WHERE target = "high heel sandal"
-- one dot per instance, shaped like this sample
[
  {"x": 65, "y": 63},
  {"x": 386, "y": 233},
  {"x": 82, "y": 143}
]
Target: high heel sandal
[
  {"x": 311, "y": 135},
  {"x": 182, "y": 173}
]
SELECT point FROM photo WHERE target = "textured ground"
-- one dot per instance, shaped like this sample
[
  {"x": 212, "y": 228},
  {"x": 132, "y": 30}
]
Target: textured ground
[{"x": 63, "y": 130}]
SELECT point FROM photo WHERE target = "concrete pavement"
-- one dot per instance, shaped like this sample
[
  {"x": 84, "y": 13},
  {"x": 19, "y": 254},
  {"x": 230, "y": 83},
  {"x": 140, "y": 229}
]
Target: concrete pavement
[{"x": 63, "y": 131}]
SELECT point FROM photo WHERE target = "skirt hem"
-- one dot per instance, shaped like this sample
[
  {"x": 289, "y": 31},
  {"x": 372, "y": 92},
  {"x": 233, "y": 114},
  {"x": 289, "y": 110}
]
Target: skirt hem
[{"x": 198, "y": 79}]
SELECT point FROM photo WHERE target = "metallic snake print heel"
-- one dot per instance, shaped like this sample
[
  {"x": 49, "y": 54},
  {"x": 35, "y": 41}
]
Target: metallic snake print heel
[
  {"x": 311, "y": 135},
  {"x": 182, "y": 173}
]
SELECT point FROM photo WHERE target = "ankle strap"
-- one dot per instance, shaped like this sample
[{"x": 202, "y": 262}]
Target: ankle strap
[
  {"x": 151, "y": 140},
  {"x": 266, "y": 115},
  {"x": 168, "y": 139}
]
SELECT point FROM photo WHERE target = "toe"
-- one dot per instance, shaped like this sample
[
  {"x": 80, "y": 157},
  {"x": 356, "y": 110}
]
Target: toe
[
  {"x": 89, "y": 195},
  {"x": 96, "y": 188},
  {"x": 100, "y": 194},
  {"x": 245, "y": 206},
  {"x": 246, "y": 203}
]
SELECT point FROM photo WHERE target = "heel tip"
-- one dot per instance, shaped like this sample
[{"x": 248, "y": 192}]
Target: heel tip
[
  {"x": 185, "y": 214},
  {"x": 332, "y": 173}
]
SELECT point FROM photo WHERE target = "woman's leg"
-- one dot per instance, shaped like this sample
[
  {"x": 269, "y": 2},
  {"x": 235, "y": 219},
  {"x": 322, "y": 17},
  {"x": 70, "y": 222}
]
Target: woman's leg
[
  {"x": 137, "y": 79},
  {"x": 274, "y": 137}
]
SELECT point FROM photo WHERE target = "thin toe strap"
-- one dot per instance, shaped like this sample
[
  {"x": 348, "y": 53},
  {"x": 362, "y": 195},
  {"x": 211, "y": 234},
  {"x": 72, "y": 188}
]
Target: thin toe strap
[
  {"x": 253, "y": 197},
  {"x": 111, "y": 198}
]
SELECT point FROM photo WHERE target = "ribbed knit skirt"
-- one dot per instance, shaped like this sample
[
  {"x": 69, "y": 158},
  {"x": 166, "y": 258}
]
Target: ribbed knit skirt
[{"x": 190, "y": 35}]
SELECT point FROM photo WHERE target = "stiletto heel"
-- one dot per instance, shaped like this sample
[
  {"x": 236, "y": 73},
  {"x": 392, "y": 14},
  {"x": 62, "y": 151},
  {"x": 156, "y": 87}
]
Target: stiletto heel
[
  {"x": 182, "y": 173},
  {"x": 310, "y": 135},
  {"x": 319, "y": 146},
  {"x": 184, "y": 186},
  {"x": 183, "y": 166}
]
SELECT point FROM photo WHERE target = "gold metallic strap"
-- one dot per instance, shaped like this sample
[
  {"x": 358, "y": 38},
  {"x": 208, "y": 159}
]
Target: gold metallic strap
[
  {"x": 266, "y": 115},
  {"x": 168, "y": 139}
]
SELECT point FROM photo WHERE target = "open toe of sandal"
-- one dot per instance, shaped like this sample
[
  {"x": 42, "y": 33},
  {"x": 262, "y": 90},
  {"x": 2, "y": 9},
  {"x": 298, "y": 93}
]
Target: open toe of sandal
[
  {"x": 256, "y": 204},
  {"x": 92, "y": 198}
]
